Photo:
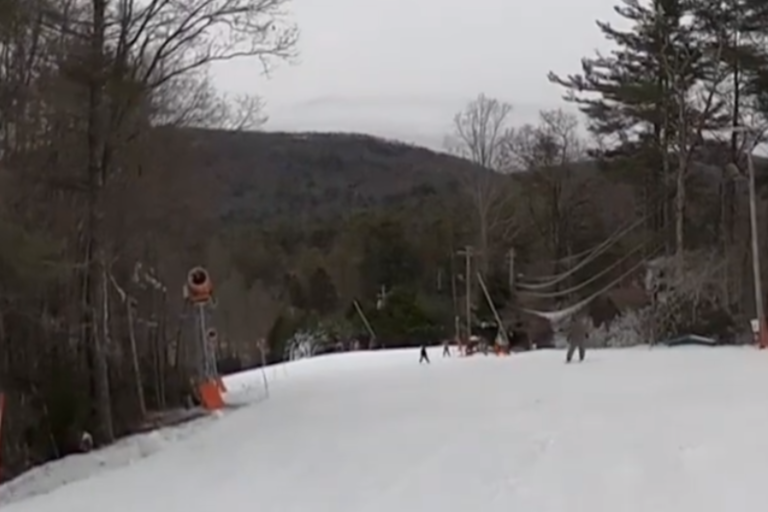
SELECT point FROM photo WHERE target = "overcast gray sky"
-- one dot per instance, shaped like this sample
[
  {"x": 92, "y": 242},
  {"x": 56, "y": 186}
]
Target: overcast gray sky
[{"x": 403, "y": 68}]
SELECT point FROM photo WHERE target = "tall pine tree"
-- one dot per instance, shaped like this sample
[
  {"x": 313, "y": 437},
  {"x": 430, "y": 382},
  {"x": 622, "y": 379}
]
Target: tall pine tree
[
  {"x": 742, "y": 25},
  {"x": 638, "y": 94}
]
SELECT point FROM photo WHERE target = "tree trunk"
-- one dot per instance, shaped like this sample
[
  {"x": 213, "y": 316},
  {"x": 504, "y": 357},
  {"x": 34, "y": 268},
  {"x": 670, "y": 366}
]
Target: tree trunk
[
  {"x": 135, "y": 357},
  {"x": 683, "y": 151},
  {"x": 162, "y": 342},
  {"x": 95, "y": 179},
  {"x": 680, "y": 217}
]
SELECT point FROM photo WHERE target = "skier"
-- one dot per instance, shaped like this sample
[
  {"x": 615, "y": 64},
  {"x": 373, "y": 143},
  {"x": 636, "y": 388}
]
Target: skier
[
  {"x": 423, "y": 357},
  {"x": 446, "y": 348},
  {"x": 576, "y": 335}
]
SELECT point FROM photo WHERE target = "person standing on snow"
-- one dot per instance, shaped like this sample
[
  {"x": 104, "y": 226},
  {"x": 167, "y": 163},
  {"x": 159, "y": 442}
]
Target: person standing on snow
[
  {"x": 446, "y": 348},
  {"x": 423, "y": 356},
  {"x": 576, "y": 334}
]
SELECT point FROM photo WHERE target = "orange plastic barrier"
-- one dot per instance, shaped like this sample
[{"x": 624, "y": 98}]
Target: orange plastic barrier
[{"x": 210, "y": 395}]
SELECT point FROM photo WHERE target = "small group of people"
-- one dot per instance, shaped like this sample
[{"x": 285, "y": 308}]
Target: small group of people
[
  {"x": 576, "y": 334},
  {"x": 424, "y": 356}
]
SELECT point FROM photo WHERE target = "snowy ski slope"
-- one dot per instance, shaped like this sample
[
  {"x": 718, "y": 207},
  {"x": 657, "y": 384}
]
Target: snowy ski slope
[{"x": 658, "y": 430}]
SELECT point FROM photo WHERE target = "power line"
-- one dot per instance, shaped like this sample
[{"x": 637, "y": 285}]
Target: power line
[
  {"x": 556, "y": 316},
  {"x": 542, "y": 282},
  {"x": 607, "y": 244},
  {"x": 590, "y": 280}
]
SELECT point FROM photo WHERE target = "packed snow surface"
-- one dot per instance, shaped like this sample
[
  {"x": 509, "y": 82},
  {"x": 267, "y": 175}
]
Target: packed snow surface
[{"x": 681, "y": 430}]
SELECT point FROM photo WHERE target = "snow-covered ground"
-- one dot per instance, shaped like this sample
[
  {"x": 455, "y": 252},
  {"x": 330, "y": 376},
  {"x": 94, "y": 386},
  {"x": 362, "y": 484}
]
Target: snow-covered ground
[{"x": 657, "y": 430}]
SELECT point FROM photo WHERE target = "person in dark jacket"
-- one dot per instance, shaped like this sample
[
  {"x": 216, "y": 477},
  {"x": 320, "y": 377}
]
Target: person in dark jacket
[
  {"x": 576, "y": 334},
  {"x": 423, "y": 356}
]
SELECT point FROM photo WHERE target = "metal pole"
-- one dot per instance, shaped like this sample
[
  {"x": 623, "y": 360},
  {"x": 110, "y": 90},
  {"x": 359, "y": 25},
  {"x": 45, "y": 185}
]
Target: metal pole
[
  {"x": 512, "y": 272},
  {"x": 203, "y": 345},
  {"x": 454, "y": 298},
  {"x": 208, "y": 356},
  {"x": 756, "y": 274},
  {"x": 468, "y": 284},
  {"x": 364, "y": 319},
  {"x": 496, "y": 316},
  {"x": 654, "y": 315},
  {"x": 264, "y": 372}
]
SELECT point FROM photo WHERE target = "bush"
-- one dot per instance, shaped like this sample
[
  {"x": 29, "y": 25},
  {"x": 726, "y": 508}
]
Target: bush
[{"x": 627, "y": 330}]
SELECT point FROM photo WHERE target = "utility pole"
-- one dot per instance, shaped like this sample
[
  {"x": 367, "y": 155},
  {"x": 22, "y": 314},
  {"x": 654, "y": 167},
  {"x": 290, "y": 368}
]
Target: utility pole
[
  {"x": 512, "y": 271},
  {"x": 468, "y": 252},
  {"x": 753, "y": 140},
  {"x": 454, "y": 298},
  {"x": 365, "y": 320},
  {"x": 381, "y": 297},
  {"x": 512, "y": 279},
  {"x": 757, "y": 277}
]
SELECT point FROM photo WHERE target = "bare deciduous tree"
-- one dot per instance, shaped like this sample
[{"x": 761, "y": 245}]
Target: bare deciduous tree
[
  {"x": 241, "y": 113},
  {"x": 191, "y": 100},
  {"x": 480, "y": 134},
  {"x": 133, "y": 49},
  {"x": 550, "y": 153}
]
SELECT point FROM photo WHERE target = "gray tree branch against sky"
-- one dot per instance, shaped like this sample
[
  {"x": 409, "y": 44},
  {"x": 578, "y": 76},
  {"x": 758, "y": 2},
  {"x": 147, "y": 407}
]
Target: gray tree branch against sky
[{"x": 403, "y": 68}]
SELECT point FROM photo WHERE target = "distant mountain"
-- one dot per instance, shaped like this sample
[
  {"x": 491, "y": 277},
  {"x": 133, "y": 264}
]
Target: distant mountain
[
  {"x": 311, "y": 176},
  {"x": 319, "y": 175}
]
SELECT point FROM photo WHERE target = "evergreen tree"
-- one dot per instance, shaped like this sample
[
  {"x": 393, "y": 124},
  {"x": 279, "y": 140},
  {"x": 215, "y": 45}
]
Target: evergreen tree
[
  {"x": 630, "y": 82},
  {"x": 322, "y": 296},
  {"x": 639, "y": 93},
  {"x": 388, "y": 258},
  {"x": 732, "y": 34},
  {"x": 721, "y": 19},
  {"x": 297, "y": 296},
  {"x": 404, "y": 321},
  {"x": 746, "y": 21}
]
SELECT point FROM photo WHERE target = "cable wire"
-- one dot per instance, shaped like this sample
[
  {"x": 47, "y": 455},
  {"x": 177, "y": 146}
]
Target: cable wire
[
  {"x": 590, "y": 280},
  {"x": 559, "y": 315}
]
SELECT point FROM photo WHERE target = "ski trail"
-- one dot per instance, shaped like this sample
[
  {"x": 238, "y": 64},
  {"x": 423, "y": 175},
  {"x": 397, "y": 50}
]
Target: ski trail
[{"x": 632, "y": 431}]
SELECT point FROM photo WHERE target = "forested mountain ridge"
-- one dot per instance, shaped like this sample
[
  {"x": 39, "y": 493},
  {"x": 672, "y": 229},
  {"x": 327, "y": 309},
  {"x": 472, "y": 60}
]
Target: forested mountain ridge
[
  {"x": 312, "y": 176},
  {"x": 316, "y": 175}
]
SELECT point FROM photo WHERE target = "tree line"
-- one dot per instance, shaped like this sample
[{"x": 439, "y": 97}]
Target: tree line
[
  {"x": 97, "y": 220},
  {"x": 672, "y": 113}
]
